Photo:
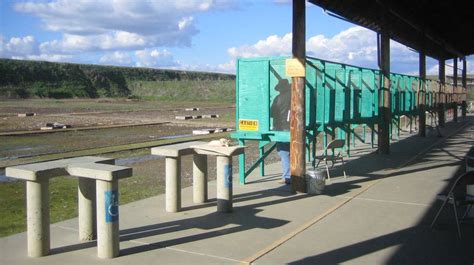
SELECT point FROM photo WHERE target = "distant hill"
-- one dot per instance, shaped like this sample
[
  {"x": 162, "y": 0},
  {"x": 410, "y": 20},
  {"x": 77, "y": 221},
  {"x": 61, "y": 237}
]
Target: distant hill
[{"x": 25, "y": 79}]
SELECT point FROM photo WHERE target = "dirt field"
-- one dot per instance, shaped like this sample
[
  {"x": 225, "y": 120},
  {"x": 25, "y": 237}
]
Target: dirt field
[
  {"x": 149, "y": 171},
  {"x": 105, "y": 112},
  {"x": 84, "y": 113},
  {"x": 87, "y": 113}
]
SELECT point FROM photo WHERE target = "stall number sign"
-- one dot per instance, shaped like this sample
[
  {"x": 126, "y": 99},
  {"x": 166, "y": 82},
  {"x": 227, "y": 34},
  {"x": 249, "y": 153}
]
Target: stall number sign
[{"x": 248, "y": 125}]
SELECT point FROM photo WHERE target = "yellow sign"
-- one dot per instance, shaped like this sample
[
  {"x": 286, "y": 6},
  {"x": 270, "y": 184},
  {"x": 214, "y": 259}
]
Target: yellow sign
[
  {"x": 248, "y": 125},
  {"x": 294, "y": 68}
]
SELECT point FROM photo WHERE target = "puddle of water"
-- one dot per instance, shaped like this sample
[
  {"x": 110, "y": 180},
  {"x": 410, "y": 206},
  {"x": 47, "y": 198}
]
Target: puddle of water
[{"x": 8, "y": 158}]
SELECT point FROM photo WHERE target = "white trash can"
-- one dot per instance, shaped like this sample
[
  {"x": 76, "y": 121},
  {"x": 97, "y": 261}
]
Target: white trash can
[{"x": 315, "y": 181}]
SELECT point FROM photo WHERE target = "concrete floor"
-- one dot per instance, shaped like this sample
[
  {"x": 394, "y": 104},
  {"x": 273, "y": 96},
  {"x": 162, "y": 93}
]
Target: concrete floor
[{"x": 380, "y": 214}]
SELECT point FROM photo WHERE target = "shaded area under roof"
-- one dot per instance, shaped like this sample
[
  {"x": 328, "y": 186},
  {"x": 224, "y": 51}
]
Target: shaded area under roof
[{"x": 447, "y": 25}]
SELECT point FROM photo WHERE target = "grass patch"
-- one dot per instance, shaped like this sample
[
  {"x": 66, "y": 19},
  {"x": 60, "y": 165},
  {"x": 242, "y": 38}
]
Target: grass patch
[
  {"x": 63, "y": 190},
  {"x": 63, "y": 199},
  {"x": 63, "y": 203},
  {"x": 185, "y": 90}
]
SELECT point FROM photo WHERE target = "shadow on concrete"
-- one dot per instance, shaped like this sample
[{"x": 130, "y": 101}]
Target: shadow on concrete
[
  {"x": 419, "y": 244},
  {"x": 243, "y": 218},
  {"x": 416, "y": 245},
  {"x": 372, "y": 166}
]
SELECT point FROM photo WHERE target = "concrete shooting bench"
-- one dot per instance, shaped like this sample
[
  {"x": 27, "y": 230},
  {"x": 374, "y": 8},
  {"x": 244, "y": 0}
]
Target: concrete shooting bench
[
  {"x": 97, "y": 198},
  {"x": 200, "y": 151},
  {"x": 173, "y": 154},
  {"x": 223, "y": 156}
]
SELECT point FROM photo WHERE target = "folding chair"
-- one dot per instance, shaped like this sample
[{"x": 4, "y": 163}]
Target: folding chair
[
  {"x": 333, "y": 157},
  {"x": 456, "y": 196}
]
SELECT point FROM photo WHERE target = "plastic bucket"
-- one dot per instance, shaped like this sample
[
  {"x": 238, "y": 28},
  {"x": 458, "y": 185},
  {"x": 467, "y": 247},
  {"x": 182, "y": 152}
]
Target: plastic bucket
[{"x": 315, "y": 181}]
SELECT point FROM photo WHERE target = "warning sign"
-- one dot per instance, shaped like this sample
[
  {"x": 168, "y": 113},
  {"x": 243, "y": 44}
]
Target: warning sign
[{"x": 248, "y": 125}]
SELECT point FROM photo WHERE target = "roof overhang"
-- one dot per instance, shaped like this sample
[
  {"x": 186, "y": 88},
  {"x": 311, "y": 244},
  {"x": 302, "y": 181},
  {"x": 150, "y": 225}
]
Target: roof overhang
[{"x": 444, "y": 28}]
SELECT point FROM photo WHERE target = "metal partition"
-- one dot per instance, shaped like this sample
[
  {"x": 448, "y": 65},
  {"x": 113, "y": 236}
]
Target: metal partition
[{"x": 339, "y": 99}]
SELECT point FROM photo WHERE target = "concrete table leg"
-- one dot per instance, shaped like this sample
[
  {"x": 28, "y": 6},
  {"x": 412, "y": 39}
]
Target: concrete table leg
[
  {"x": 173, "y": 184},
  {"x": 37, "y": 206},
  {"x": 199, "y": 178},
  {"x": 87, "y": 209},
  {"x": 224, "y": 184},
  {"x": 108, "y": 244}
]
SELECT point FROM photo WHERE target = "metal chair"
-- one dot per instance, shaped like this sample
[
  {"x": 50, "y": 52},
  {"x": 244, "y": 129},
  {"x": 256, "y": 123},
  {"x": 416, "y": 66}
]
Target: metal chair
[
  {"x": 456, "y": 196},
  {"x": 333, "y": 157}
]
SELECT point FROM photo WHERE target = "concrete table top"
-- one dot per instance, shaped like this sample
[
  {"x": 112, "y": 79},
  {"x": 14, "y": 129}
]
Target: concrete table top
[
  {"x": 99, "y": 171},
  {"x": 56, "y": 168},
  {"x": 206, "y": 149},
  {"x": 175, "y": 150}
]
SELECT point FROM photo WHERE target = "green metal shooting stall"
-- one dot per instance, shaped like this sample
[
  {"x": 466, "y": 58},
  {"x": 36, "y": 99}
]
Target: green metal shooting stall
[
  {"x": 339, "y": 98},
  {"x": 330, "y": 96}
]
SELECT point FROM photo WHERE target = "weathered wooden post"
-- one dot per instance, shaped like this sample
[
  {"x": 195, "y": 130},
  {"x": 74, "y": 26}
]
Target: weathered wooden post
[
  {"x": 454, "y": 104},
  {"x": 385, "y": 97},
  {"x": 464, "y": 83},
  {"x": 422, "y": 95},
  {"x": 297, "y": 118},
  {"x": 442, "y": 94}
]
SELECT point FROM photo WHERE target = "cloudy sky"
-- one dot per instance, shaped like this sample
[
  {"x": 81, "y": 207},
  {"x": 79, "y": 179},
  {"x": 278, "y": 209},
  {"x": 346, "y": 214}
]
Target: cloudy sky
[{"x": 201, "y": 35}]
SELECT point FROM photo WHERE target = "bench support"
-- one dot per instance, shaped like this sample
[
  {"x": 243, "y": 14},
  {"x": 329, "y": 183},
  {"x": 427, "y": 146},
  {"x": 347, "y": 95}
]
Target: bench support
[
  {"x": 224, "y": 184},
  {"x": 87, "y": 209},
  {"x": 199, "y": 178},
  {"x": 108, "y": 244},
  {"x": 37, "y": 207},
  {"x": 173, "y": 184}
]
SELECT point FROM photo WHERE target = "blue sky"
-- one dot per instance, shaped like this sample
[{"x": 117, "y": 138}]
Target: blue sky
[{"x": 201, "y": 35}]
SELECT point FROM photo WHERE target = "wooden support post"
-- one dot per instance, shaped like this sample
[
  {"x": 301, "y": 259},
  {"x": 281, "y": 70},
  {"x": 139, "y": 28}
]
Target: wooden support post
[
  {"x": 464, "y": 83},
  {"x": 422, "y": 96},
  {"x": 442, "y": 94},
  {"x": 297, "y": 118},
  {"x": 454, "y": 104},
  {"x": 385, "y": 97}
]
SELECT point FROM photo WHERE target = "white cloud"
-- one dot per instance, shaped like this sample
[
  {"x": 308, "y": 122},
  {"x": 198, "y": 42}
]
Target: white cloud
[
  {"x": 356, "y": 46},
  {"x": 1, "y": 45},
  {"x": 45, "y": 57},
  {"x": 271, "y": 46},
  {"x": 116, "y": 58},
  {"x": 19, "y": 46},
  {"x": 155, "y": 58},
  {"x": 27, "y": 48},
  {"x": 118, "y": 24},
  {"x": 112, "y": 41}
]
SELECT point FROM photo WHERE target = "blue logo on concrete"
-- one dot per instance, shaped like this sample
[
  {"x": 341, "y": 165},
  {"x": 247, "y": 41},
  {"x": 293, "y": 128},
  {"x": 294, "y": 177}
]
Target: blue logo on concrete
[
  {"x": 228, "y": 176},
  {"x": 111, "y": 206}
]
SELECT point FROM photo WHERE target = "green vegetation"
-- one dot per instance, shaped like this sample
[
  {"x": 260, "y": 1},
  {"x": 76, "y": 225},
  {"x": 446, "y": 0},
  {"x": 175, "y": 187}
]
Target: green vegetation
[
  {"x": 26, "y": 79},
  {"x": 63, "y": 199},
  {"x": 185, "y": 90}
]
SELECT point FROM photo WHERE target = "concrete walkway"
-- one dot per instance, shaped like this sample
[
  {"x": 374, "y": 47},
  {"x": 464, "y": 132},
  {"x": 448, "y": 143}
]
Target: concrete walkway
[{"x": 380, "y": 214}]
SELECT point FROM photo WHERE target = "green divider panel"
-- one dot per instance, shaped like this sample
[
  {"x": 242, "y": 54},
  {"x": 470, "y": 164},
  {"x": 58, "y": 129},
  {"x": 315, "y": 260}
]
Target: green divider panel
[
  {"x": 338, "y": 97},
  {"x": 253, "y": 96}
]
